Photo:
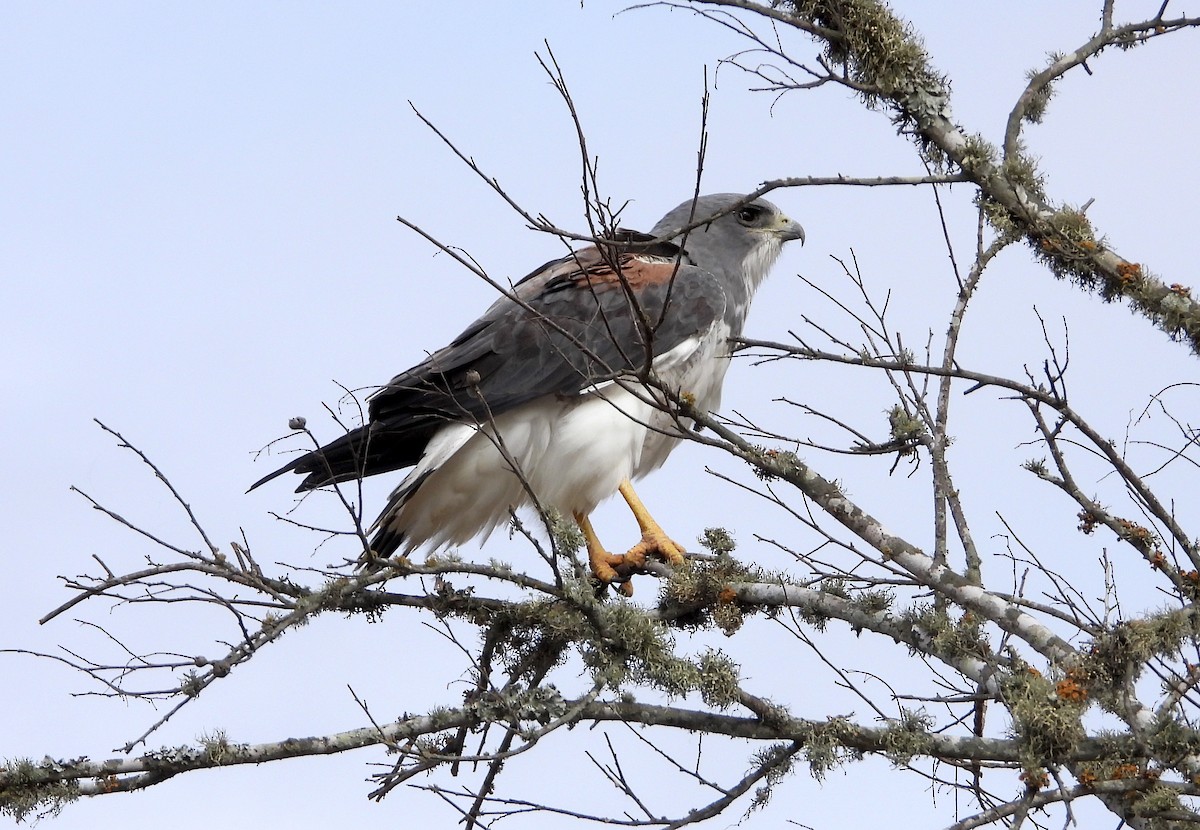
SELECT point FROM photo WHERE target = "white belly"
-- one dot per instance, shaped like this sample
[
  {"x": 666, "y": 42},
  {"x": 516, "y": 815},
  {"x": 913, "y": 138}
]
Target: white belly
[{"x": 571, "y": 453}]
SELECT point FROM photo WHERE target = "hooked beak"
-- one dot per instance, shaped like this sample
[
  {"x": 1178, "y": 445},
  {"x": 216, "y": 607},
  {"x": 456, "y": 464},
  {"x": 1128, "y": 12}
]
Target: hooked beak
[{"x": 789, "y": 230}]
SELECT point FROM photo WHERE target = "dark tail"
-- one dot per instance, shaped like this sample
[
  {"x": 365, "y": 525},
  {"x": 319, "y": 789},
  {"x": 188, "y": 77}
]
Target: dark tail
[{"x": 363, "y": 452}]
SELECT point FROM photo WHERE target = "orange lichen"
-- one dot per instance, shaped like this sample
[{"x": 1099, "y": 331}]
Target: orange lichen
[
  {"x": 1069, "y": 690},
  {"x": 1126, "y": 771},
  {"x": 1135, "y": 532},
  {"x": 726, "y": 596},
  {"x": 1128, "y": 273},
  {"x": 1035, "y": 779},
  {"x": 1087, "y": 522}
]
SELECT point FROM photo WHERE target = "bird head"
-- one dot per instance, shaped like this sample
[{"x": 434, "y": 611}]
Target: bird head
[{"x": 737, "y": 237}]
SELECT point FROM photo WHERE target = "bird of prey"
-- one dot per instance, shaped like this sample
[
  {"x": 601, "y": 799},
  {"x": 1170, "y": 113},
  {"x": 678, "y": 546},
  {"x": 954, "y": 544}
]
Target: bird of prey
[{"x": 555, "y": 396}]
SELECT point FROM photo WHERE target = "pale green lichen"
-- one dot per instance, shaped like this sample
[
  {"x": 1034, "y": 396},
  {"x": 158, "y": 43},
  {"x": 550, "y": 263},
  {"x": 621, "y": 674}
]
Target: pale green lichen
[
  {"x": 1047, "y": 726},
  {"x": 873, "y": 601},
  {"x": 567, "y": 537},
  {"x": 1020, "y": 170},
  {"x": 946, "y": 637},
  {"x": 907, "y": 737},
  {"x": 718, "y": 541},
  {"x": 825, "y": 747},
  {"x": 28, "y": 789},
  {"x": 700, "y": 595},
  {"x": 907, "y": 431},
  {"x": 812, "y": 615},
  {"x": 1171, "y": 738},
  {"x": 1118, "y": 656},
  {"x": 978, "y": 155},
  {"x": 720, "y": 685},
  {"x": 216, "y": 746},
  {"x": 191, "y": 685},
  {"x": 1158, "y": 800},
  {"x": 1035, "y": 108},
  {"x": 882, "y": 54},
  {"x": 729, "y": 617},
  {"x": 778, "y": 761}
]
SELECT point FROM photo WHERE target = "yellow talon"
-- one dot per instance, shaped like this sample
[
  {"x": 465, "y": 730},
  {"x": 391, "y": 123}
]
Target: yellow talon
[
  {"x": 654, "y": 538},
  {"x": 610, "y": 568}
]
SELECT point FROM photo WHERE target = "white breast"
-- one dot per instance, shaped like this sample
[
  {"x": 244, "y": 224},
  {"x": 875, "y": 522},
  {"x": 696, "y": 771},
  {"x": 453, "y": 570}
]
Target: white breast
[
  {"x": 697, "y": 368},
  {"x": 572, "y": 452}
]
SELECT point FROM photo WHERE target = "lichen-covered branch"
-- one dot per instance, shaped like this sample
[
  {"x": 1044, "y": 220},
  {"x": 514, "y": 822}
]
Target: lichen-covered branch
[
  {"x": 870, "y": 50},
  {"x": 1014, "y": 646},
  {"x": 26, "y": 785}
]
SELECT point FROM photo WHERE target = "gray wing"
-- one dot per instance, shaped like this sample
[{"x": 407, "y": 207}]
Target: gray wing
[{"x": 574, "y": 322}]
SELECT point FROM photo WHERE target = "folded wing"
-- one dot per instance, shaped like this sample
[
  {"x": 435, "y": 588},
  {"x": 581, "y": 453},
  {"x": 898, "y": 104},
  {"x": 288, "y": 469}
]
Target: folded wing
[{"x": 569, "y": 326}]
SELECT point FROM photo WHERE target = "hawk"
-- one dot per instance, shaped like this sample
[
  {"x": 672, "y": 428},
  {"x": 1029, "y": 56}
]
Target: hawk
[{"x": 555, "y": 396}]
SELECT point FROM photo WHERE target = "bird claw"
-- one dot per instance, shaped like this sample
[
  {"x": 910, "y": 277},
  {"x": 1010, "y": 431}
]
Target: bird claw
[
  {"x": 658, "y": 544},
  {"x": 618, "y": 569},
  {"x": 605, "y": 568}
]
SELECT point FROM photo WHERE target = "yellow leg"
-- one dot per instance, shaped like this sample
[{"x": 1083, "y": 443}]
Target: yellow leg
[
  {"x": 602, "y": 562},
  {"x": 654, "y": 538}
]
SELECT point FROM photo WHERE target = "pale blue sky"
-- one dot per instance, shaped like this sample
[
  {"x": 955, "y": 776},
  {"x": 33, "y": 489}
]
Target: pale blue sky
[{"x": 198, "y": 205}]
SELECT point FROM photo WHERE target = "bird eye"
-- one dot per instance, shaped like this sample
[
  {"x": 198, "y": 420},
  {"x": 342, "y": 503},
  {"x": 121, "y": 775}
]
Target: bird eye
[{"x": 749, "y": 213}]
